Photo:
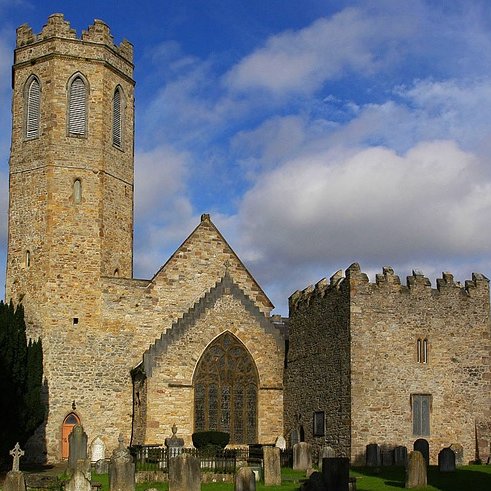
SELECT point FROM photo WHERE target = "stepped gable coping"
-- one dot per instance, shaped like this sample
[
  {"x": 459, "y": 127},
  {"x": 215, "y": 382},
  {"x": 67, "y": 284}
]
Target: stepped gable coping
[
  {"x": 226, "y": 286},
  {"x": 387, "y": 280},
  {"x": 58, "y": 27},
  {"x": 205, "y": 219}
]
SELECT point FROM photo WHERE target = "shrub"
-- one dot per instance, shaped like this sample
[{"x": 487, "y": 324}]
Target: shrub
[{"x": 218, "y": 439}]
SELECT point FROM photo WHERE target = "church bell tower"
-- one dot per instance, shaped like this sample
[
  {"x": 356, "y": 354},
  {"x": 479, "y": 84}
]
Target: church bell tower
[{"x": 71, "y": 189}]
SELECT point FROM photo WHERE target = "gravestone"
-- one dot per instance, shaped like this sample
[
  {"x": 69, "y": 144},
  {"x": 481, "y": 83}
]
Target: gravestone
[
  {"x": 387, "y": 457},
  {"x": 416, "y": 470},
  {"x": 446, "y": 460},
  {"x": 97, "y": 450},
  {"x": 326, "y": 452},
  {"x": 77, "y": 446},
  {"x": 78, "y": 482},
  {"x": 280, "y": 442},
  {"x": 422, "y": 445},
  {"x": 122, "y": 469},
  {"x": 174, "y": 444},
  {"x": 400, "y": 455},
  {"x": 184, "y": 473},
  {"x": 302, "y": 456},
  {"x": 272, "y": 466},
  {"x": 372, "y": 455},
  {"x": 245, "y": 480},
  {"x": 14, "y": 480},
  {"x": 459, "y": 453},
  {"x": 335, "y": 473},
  {"x": 101, "y": 467}
]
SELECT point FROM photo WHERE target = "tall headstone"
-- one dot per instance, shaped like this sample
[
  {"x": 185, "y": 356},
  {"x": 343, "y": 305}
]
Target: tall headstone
[
  {"x": 184, "y": 473},
  {"x": 335, "y": 473},
  {"x": 416, "y": 470},
  {"x": 372, "y": 455},
  {"x": 97, "y": 450},
  {"x": 174, "y": 444},
  {"x": 272, "y": 466},
  {"x": 400, "y": 455},
  {"x": 77, "y": 446},
  {"x": 245, "y": 480},
  {"x": 78, "y": 482},
  {"x": 280, "y": 442},
  {"x": 122, "y": 469},
  {"x": 14, "y": 480},
  {"x": 422, "y": 445},
  {"x": 302, "y": 456},
  {"x": 446, "y": 460}
]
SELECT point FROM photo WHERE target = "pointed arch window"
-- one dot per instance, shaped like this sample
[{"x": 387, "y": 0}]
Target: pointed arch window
[
  {"x": 77, "y": 107},
  {"x": 117, "y": 118},
  {"x": 226, "y": 390},
  {"x": 33, "y": 107}
]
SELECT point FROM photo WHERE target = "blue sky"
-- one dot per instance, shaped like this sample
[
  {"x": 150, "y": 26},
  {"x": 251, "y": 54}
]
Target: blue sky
[{"x": 315, "y": 133}]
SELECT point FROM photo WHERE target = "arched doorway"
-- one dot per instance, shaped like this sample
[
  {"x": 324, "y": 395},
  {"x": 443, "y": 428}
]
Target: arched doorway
[
  {"x": 225, "y": 390},
  {"x": 68, "y": 423}
]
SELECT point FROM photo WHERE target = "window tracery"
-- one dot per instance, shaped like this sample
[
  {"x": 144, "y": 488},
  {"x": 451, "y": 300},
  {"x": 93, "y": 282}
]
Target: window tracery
[{"x": 225, "y": 390}]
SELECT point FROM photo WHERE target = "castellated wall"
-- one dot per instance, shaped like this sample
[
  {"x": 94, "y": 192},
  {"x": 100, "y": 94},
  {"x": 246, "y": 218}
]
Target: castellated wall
[
  {"x": 381, "y": 323},
  {"x": 386, "y": 321},
  {"x": 317, "y": 372}
]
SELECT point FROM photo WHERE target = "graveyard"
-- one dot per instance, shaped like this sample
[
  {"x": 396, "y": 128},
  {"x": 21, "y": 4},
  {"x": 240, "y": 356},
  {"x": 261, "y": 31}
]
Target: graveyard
[{"x": 303, "y": 468}]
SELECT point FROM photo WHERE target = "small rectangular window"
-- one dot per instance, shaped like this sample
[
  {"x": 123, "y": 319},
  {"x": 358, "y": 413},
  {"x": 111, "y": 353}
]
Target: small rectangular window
[
  {"x": 75, "y": 321},
  {"x": 319, "y": 423},
  {"x": 421, "y": 405}
]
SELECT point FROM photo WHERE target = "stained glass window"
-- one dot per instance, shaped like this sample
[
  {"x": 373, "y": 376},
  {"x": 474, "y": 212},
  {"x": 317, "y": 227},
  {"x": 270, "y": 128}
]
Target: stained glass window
[{"x": 225, "y": 390}]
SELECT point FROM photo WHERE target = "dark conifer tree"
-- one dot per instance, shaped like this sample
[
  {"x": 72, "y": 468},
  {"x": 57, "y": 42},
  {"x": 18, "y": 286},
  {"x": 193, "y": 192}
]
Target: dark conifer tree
[{"x": 21, "y": 374}]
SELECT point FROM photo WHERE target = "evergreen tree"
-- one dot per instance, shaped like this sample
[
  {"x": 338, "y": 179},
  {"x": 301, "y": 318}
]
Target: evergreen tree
[{"x": 21, "y": 374}]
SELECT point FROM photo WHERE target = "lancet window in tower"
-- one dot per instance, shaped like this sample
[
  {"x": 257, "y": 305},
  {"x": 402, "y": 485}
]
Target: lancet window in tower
[
  {"x": 225, "y": 390},
  {"x": 117, "y": 118},
  {"x": 77, "y": 191},
  {"x": 33, "y": 101},
  {"x": 77, "y": 107}
]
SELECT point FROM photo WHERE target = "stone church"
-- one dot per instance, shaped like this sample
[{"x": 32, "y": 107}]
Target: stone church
[{"x": 195, "y": 345}]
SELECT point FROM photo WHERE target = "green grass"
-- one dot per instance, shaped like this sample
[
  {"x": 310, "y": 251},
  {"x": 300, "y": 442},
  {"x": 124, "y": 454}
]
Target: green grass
[
  {"x": 468, "y": 478},
  {"x": 290, "y": 480}
]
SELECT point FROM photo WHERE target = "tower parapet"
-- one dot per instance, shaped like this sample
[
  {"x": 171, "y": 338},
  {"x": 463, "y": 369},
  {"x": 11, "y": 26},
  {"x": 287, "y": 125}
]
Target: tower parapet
[{"x": 58, "y": 27}]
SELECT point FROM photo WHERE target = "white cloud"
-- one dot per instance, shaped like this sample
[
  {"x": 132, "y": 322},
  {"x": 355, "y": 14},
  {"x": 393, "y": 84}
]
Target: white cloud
[
  {"x": 163, "y": 211},
  {"x": 328, "y": 49},
  {"x": 375, "y": 205}
]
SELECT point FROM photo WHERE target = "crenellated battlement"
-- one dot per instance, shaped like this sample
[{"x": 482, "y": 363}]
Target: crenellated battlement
[
  {"x": 388, "y": 282},
  {"x": 58, "y": 27}
]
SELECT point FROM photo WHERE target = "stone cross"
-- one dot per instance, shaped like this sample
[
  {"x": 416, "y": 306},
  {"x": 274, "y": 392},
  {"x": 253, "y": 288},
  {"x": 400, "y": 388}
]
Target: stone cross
[{"x": 16, "y": 453}]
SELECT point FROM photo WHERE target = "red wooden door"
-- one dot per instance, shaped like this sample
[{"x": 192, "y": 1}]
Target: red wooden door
[{"x": 69, "y": 422}]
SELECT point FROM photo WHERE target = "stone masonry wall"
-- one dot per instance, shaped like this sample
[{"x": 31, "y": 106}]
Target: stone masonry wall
[
  {"x": 170, "y": 394},
  {"x": 386, "y": 321},
  {"x": 72, "y": 244},
  {"x": 317, "y": 373}
]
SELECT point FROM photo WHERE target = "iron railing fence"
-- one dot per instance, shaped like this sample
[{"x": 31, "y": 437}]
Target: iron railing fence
[{"x": 156, "y": 458}]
